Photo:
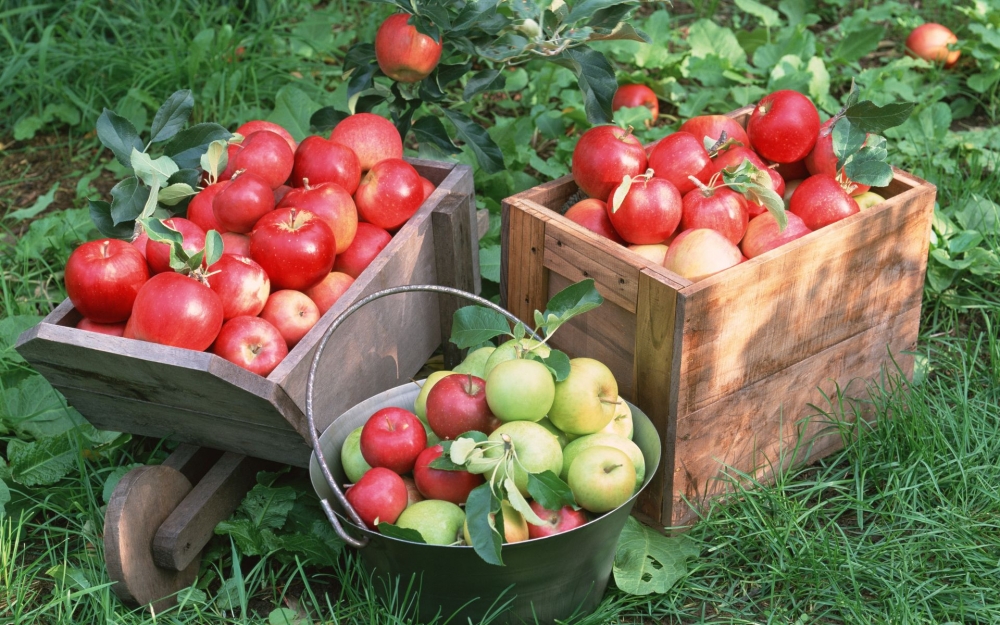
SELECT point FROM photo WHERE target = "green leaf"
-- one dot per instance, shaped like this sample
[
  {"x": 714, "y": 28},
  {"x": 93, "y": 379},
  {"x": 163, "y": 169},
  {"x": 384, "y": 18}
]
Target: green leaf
[
  {"x": 187, "y": 146},
  {"x": 558, "y": 364},
  {"x": 268, "y": 506},
  {"x": 487, "y": 153},
  {"x": 213, "y": 247},
  {"x": 596, "y": 78},
  {"x": 128, "y": 198},
  {"x": 869, "y": 117},
  {"x": 647, "y": 562},
  {"x": 326, "y": 119},
  {"x": 41, "y": 462},
  {"x": 979, "y": 213},
  {"x": 848, "y": 140},
  {"x": 587, "y": 8},
  {"x": 4, "y": 498},
  {"x": 402, "y": 533},
  {"x": 868, "y": 166},
  {"x": 489, "y": 262},
  {"x": 114, "y": 477},
  {"x": 26, "y": 127},
  {"x": 472, "y": 325},
  {"x": 444, "y": 463},
  {"x": 283, "y": 616},
  {"x": 484, "y": 80},
  {"x": 33, "y": 409},
  {"x": 153, "y": 171},
  {"x": 100, "y": 214},
  {"x": 461, "y": 449},
  {"x": 754, "y": 184},
  {"x": 215, "y": 159},
  {"x": 10, "y": 329},
  {"x": 766, "y": 14},
  {"x": 519, "y": 503},
  {"x": 708, "y": 39},
  {"x": 574, "y": 300},
  {"x": 430, "y": 129},
  {"x": 118, "y": 135},
  {"x": 858, "y": 43},
  {"x": 964, "y": 241},
  {"x": 293, "y": 110},
  {"x": 482, "y": 508},
  {"x": 171, "y": 116},
  {"x": 547, "y": 489},
  {"x": 40, "y": 204}
]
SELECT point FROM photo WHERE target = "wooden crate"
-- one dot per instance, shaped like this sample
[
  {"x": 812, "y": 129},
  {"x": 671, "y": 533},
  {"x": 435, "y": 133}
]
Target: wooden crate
[
  {"x": 731, "y": 368},
  {"x": 197, "y": 397}
]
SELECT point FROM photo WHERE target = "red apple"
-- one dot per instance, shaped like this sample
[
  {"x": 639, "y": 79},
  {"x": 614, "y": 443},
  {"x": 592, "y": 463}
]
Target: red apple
[
  {"x": 235, "y": 244},
  {"x": 412, "y": 492},
  {"x": 453, "y": 486},
  {"x": 328, "y": 291},
  {"x": 592, "y": 214},
  {"x": 242, "y": 202},
  {"x": 636, "y": 95},
  {"x": 783, "y": 126},
  {"x": 698, "y": 254},
  {"x": 158, "y": 254},
  {"x": 678, "y": 156},
  {"x": 379, "y": 496},
  {"x": 720, "y": 209},
  {"x": 603, "y": 156},
  {"x": 457, "y": 404},
  {"x": 241, "y": 284},
  {"x": 280, "y": 193},
  {"x": 111, "y": 329},
  {"x": 292, "y": 313},
  {"x": 392, "y": 438},
  {"x": 267, "y": 155},
  {"x": 173, "y": 309},
  {"x": 649, "y": 213},
  {"x": 428, "y": 187},
  {"x": 712, "y": 126},
  {"x": 654, "y": 252},
  {"x": 403, "y": 53},
  {"x": 103, "y": 279},
  {"x": 139, "y": 243},
  {"x": 251, "y": 343},
  {"x": 257, "y": 125},
  {"x": 556, "y": 521},
  {"x": 368, "y": 242},
  {"x": 371, "y": 137},
  {"x": 389, "y": 194},
  {"x": 763, "y": 233},
  {"x": 295, "y": 248},
  {"x": 200, "y": 211},
  {"x": 318, "y": 160},
  {"x": 734, "y": 157},
  {"x": 930, "y": 42},
  {"x": 820, "y": 201},
  {"x": 822, "y": 160},
  {"x": 792, "y": 171},
  {"x": 331, "y": 203}
]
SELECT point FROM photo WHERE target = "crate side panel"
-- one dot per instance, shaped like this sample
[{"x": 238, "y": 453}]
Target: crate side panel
[
  {"x": 756, "y": 429},
  {"x": 761, "y": 317},
  {"x": 524, "y": 275}
]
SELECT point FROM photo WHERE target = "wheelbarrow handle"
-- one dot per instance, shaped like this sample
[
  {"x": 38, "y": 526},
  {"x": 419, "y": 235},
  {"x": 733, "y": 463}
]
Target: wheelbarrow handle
[{"x": 311, "y": 382}]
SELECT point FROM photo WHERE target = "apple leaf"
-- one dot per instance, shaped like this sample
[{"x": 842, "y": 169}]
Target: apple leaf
[
  {"x": 868, "y": 166},
  {"x": 215, "y": 158},
  {"x": 482, "y": 512},
  {"x": 152, "y": 170},
  {"x": 213, "y": 247},
  {"x": 461, "y": 449},
  {"x": 754, "y": 184},
  {"x": 875, "y": 119},
  {"x": 444, "y": 463},
  {"x": 479, "y": 464},
  {"x": 556, "y": 362},
  {"x": 848, "y": 140},
  {"x": 475, "y": 435},
  {"x": 402, "y": 533},
  {"x": 472, "y": 325},
  {"x": 547, "y": 489},
  {"x": 173, "y": 114},
  {"x": 519, "y": 503},
  {"x": 519, "y": 331},
  {"x": 118, "y": 135},
  {"x": 620, "y": 193},
  {"x": 647, "y": 561},
  {"x": 175, "y": 194},
  {"x": 574, "y": 300}
]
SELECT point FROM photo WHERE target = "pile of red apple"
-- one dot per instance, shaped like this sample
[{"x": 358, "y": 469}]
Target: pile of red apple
[
  {"x": 578, "y": 429},
  {"x": 298, "y": 223},
  {"x": 669, "y": 202}
]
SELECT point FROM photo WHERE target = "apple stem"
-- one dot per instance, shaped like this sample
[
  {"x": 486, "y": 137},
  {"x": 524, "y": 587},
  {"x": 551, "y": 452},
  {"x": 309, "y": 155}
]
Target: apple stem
[
  {"x": 628, "y": 132},
  {"x": 706, "y": 191},
  {"x": 611, "y": 468},
  {"x": 305, "y": 184}
]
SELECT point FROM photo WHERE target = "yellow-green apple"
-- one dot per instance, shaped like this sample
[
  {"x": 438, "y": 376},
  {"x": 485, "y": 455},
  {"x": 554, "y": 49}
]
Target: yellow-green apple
[
  {"x": 868, "y": 199},
  {"x": 457, "y": 404},
  {"x": 515, "y": 528},
  {"x": 602, "y": 439},
  {"x": 351, "y": 459},
  {"x": 698, "y": 254},
  {"x": 514, "y": 349},
  {"x": 393, "y": 438},
  {"x": 453, "y": 486},
  {"x": 556, "y": 521},
  {"x": 653, "y": 251},
  {"x": 475, "y": 362},
  {"x": 536, "y": 448},
  {"x": 439, "y": 522},
  {"x": 621, "y": 423},
  {"x": 585, "y": 401},
  {"x": 520, "y": 390},
  {"x": 420, "y": 404},
  {"x": 559, "y": 434},
  {"x": 602, "y": 478},
  {"x": 380, "y": 495}
]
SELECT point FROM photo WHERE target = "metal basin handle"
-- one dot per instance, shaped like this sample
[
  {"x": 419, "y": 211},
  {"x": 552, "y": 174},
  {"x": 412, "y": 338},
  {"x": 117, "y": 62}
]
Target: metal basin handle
[{"x": 358, "y": 543}]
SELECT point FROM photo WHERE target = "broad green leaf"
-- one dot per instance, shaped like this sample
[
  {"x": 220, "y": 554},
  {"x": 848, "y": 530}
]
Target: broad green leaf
[
  {"x": 128, "y": 198},
  {"x": 484, "y": 80},
  {"x": 979, "y": 213},
  {"x": 187, "y": 146},
  {"x": 33, "y": 409},
  {"x": 587, "y": 8},
  {"x": 647, "y": 562},
  {"x": 444, "y": 463},
  {"x": 326, "y": 119},
  {"x": 42, "y": 462},
  {"x": 215, "y": 158},
  {"x": 293, "y": 110},
  {"x": 766, "y": 14},
  {"x": 596, "y": 78},
  {"x": 114, "y": 477},
  {"x": 175, "y": 194},
  {"x": 868, "y": 166},
  {"x": 547, "y": 489},
  {"x": 70, "y": 578},
  {"x": 171, "y": 116},
  {"x": 213, "y": 247},
  {"x": 430, "y": 129},
  {"x": 283, "y": 616},
  {"x": 489, "y": 262},
  {"x": 161, "y": 232},
  {"x": 479, "y": 464},
  {"x": 44, "y": 201},
  {"x": 558, "y": 364},
  {"x": 473, "y": 435},
  {"x": 482, "y": 510},
  {"x": 100, "y": 214},
  {"x": 769, "y": 199},
  {"x": 848, "y": 140},
  {"x": 153, "y": 171},
  {"x": 623, "y": 31},
  {"x": 708, "y": 39},
  {"x": 574, "y": 300},
  {"x": 4, "y": 498},
  {"x": 118, "y": 135},
  {"x": 519, "y": 503},
  {"x": 461, "y": 449},
  {"x": 945, "y": 259},
  {"x": 402, "y": 533},
  {"x": 964, "y": 241},
  {"x": 268, "y": 506},
  {"x": 10, "y": 329},
  {"x": 869, "y": 117},
  {"x": 472, "y": 325},
  {"x": 858, "y": 43},
  {"x": 487, "y": 153},
  {"x": 26, "y": 127}
]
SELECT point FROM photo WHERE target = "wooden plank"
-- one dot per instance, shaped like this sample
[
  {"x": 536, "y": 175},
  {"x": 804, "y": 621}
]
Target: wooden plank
[
  {"x": 523, "y": 237},
  {"x": 656, "y": 366},
  {"x": 451, "y": 226},
  {"x": 181, "y": 537},
  {"x": 760, "y": 317},
  {"x": 552, "y": 194},
  {"x": 192, "y": 461},
  {"x": 755, "y": 429}
]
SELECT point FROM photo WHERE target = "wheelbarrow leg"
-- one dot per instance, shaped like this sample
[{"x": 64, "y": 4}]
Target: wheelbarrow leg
[{"x": 192, "y": 490}]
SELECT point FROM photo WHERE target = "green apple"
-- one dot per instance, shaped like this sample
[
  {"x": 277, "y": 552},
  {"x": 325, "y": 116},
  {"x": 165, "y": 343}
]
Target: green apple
[
  {"x": 439, "y": 522},
  {"x": 586, "y": 400},
  {"x": 559, "y": 434},
  {"x": 868, "y": 199},
  {"x": 520, "y": 390},
  {"x": 475, "y": 362},
  {"x": 351, "y": 459},
  {"x": 601, "y": 478},
  {"x": 621, "y": 422},
  {"x": 508, "y": 351},
  {"x": 603, "y": 439},
  {"x": 515, "y": 528},
  {"x": 420, "y": 405},
  {"x": 537, "y": 450},
  {"x": 432, "y": 438}
]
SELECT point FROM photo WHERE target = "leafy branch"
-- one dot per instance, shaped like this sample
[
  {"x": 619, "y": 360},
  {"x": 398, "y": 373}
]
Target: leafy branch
[{"x": 861, "y": 153}]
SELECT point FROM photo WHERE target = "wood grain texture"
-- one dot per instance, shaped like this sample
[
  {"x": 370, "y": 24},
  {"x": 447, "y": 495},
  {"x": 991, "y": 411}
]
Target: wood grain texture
[
  {"x": 451, "y": 225},
  {"x": 552, "y": 194},
  {"x": 758, "y": 428},
  {"x": 180, "y": 538},
  {"x": 522, "y": 265},
  {"x": 139, "y": 504},
  {"x": 192, "y": 461}
]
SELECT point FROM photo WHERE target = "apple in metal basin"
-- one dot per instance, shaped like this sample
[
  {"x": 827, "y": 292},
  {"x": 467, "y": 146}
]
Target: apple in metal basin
[
  {"x": 453, "y": 486},
  {"x": 556, "y": 521},
  {"x": 586, "y": 400},
  {"x": 392, "y": 438},
  {"x": 457, "y": 404},
  {"x": 380, "y": 495},
  {"x": 602, "y": 478}
]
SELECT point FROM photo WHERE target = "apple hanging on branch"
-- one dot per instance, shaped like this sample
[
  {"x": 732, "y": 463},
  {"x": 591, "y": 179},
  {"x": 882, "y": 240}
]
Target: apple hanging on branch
[{"x": 431, "y": 46}]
